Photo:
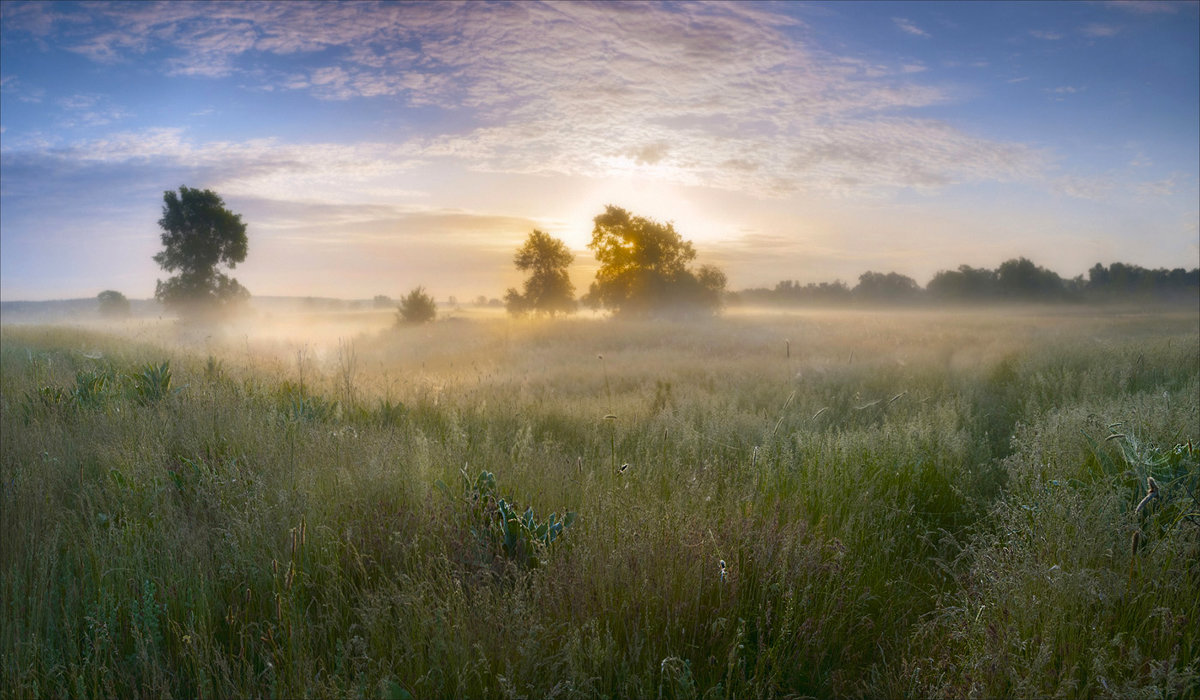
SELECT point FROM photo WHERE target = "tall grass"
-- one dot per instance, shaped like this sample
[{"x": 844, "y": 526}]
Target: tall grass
[{"x": 922, "y": 504}]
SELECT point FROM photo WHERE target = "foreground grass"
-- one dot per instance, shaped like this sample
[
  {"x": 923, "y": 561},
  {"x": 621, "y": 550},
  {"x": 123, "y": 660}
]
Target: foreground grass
[{"x": 921, "y": 504}]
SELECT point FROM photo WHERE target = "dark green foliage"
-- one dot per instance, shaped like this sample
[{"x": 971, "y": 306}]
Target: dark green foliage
[
  {"x": 499, "y": 527},
  {"x": 1121, "y": 281},
  {"x": 93, "y": 387},
  {"x": 153, "y": 383},
  {"x": 1021, "y": 279},
  {"x": 198, "y": 235},
  {"x": 416, "y": 308}
]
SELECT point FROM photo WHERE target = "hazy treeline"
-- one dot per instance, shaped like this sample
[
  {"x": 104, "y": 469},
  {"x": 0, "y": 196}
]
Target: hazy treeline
[{"x": 1014, "y": 280}]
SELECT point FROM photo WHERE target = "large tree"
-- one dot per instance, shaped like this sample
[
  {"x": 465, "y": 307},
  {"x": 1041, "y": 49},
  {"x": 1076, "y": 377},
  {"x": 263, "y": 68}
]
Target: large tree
[
  {"x": 548, "y": 290},
  {"x": 644, "y": 268},
  {"x": 198, "y": 235}
]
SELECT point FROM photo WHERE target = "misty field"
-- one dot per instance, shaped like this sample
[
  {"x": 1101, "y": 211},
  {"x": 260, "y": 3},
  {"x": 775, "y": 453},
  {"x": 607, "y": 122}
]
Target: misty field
[{"x": 907, "y": 503}]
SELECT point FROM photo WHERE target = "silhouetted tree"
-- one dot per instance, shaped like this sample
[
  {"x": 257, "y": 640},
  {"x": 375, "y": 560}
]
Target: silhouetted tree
[
  {"x": 382, "y": 301},
  {"x": 1021, "y": 279},
  {"x": 964, "y": 284},
  {"x": 548, "y": 290},
  {"x": 889, "y": 287},
  {"x": 1121, "y": 281},
  {"x": 644, "y": 268},
  {"x": 789, "y": 291},
  {"x": 113, "y": 304},
  {"x": 198, "y": 234},
  {"x": 416, "y": 307}
]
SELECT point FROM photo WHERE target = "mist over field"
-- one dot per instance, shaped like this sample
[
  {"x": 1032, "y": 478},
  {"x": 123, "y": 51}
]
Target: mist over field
[
  {"x": 830, "y": 502},
  {"x": 619, "y": 350}
]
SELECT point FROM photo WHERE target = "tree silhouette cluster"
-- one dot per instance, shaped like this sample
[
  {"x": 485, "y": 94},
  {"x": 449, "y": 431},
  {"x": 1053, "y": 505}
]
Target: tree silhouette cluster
[
  {"x": 644, "y": 271},
  {"x": 1014, "y": 280}
]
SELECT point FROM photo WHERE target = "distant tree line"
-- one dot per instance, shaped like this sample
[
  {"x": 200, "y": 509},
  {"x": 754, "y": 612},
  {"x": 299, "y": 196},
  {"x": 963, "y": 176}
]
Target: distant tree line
[
  {"x": 1016, "y": 280},
  {"x": 645, "y": 270}
]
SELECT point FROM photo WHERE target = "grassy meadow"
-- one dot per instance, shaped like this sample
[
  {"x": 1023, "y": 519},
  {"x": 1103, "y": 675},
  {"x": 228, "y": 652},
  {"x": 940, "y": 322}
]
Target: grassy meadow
[{"x": 852, "y": 503}]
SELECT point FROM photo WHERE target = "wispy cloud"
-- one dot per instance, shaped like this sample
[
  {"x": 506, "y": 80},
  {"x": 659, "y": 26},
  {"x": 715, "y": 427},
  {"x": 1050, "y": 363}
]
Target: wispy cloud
[
  {"x": 909, "y": 27},
  {"x": 13, "y": 87},
  {"x": 1079, "y": 187},
  {"x": 1062, "y": 92},
  {"x": 1148, "y": 7},
  {"x": 1096, "y": 30},
  {"x": 90, "y": 110},
  {"x": 263, "y": 168},
  {"x": 1157, "y": 188},
  {"x": 1046, "y": 35},
  {"x": 1108, "y": 186},
  {"x": 677, "y": 93}
]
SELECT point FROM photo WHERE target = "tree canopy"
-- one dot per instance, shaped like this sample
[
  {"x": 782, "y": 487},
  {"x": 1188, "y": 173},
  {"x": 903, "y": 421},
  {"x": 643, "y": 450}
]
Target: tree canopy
[
  {"x": 892, "y": 286},
  {"x": 1022, "y": 279},
  {"x": 198, "y": 234},
  {"x": 644, "y": 268},
  {"x": 548, "y": 290},
  {"x": 1016, "y": 280},
  {"x": 964, "y": 284}
]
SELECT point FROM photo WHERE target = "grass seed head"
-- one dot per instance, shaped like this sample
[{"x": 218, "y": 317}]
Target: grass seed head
[{"x": 1151, "y": 494}]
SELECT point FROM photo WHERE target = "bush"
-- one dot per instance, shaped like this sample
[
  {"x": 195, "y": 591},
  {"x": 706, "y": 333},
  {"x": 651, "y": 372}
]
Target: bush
[
  {"x": 113, "y": 304},
  {"x": 417, "y": 307}
]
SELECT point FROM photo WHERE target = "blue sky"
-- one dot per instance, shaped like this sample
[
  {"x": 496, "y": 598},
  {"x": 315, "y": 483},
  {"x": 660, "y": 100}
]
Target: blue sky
[{"x": 375, "y": 147}]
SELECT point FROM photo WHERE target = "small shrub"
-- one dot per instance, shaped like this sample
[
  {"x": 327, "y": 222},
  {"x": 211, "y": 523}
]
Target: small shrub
[
  {"x": 296, "y": 404},
  {"x": 417, "y": 307},
  {"x": 501, "y": 529},
  {"x": 113, "y": 304},
  {"x": 45, "y": 401},
  {"x": 152, "y": 384},
  {"x": 92, "y": 387}
]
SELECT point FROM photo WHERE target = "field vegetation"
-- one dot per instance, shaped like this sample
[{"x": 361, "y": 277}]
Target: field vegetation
[{"x": 854, "y": 503}]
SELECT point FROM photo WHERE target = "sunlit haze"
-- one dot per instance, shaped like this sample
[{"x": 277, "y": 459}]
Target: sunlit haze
[{"x": 371, "y": 148}]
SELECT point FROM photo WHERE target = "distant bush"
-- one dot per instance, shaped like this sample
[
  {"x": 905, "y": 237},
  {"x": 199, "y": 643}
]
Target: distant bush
[
  {"x": 113, "y": 304},
  {"x": 417, "y": 307}
]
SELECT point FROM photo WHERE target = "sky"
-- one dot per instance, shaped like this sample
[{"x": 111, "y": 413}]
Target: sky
[{"x": 371, "y": 148}]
